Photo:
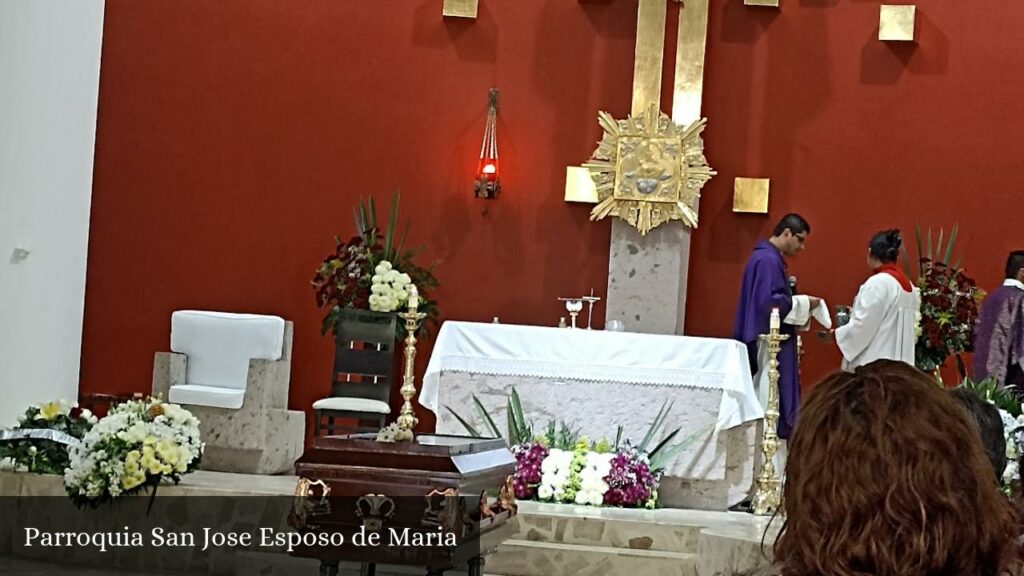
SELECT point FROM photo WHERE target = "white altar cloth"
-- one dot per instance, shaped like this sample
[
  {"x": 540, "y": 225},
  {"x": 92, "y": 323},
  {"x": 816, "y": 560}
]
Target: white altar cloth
[{"x": 597, "y": 356}]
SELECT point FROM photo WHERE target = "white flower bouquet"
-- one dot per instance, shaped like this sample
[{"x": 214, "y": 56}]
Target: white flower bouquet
[
  {"x": 40, "y": 441},
  {"x": 136, "y": 446},
  {"x": 389, "y": 288}
]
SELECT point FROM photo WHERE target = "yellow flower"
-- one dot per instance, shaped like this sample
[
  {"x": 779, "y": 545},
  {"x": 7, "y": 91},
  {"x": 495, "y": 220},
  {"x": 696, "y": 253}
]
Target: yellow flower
[
  {"x": 132, "y": 480},
  {"x": 51, "y": 410},
  {"x": 168, "y": 451}
]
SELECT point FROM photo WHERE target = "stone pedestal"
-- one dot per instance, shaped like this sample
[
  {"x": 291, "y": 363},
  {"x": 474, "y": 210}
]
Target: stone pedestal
[{"x": 647, "y": 277}]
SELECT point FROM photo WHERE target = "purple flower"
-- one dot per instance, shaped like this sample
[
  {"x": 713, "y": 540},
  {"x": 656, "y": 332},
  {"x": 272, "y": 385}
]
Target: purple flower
[{"x": 529, "y": 457}]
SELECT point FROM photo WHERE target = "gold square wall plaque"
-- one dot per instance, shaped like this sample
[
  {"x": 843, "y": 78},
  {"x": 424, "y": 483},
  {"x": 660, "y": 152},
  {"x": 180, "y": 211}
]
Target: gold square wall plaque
[
  {"x": 579, "y": 186},
  {"x": 896, "y": 22},
  {"x": 460, "y": 8},
  {"x": 750, "y": 195}
]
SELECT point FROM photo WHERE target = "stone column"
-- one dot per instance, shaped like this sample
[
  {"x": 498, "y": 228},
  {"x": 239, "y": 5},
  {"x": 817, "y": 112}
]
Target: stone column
[{"x": 647, "y": 277}]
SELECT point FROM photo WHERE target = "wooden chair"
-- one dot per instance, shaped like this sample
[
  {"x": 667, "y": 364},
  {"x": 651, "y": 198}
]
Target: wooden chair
[{"x": 364, "y": 351}]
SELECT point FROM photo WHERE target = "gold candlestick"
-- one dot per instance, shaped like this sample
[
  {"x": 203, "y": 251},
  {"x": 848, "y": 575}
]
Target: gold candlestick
[
  {"x": 769, "y": 494},
  {"x": 407, "y": 418}
]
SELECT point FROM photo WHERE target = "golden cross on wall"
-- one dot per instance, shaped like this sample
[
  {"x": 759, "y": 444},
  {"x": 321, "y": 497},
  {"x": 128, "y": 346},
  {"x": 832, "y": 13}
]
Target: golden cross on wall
[{"x": 691, "y": 44}]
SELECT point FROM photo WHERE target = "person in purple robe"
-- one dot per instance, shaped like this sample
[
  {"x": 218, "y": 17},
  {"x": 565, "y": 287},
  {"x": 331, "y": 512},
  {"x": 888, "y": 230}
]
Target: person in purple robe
[
  {"x": 766, "y": 286},
  {"x": 999, "y": 332}
]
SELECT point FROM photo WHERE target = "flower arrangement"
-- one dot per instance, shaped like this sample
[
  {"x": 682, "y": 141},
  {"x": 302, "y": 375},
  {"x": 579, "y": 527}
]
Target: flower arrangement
[
  {"x": 559, "y": 465},
  {"x": 40, "y": 441},
  {"x": 1013, "y": 430},
  {"x": 1010, "y": 410},
  {"x": 139, "y": 444},
  {"x": 372, "y": 271},
  {"x": 949, "y": 304}
]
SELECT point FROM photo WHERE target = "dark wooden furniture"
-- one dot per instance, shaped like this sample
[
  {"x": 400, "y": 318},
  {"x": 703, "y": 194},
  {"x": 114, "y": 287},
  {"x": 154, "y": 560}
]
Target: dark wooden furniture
[
  {"x": 364, "y": 370},
  {"x": 436, "y": 484}
]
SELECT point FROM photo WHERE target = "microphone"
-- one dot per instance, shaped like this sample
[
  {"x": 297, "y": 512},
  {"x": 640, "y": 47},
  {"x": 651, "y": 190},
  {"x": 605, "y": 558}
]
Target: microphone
[{"x": 792, "y": 284}]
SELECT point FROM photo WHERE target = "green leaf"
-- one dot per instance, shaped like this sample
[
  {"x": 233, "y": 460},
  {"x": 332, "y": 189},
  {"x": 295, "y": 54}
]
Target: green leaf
[
  {"x": 939, "y": 246},
  {"x": 373, "y": 212},
  {"x": 389, "y": 236},
  {"x": 469, "y": 427},
  {"x": 952, "y": 241},
  {"x": 491, "y": 426},
  {"x": 667, "y": 455},
  {"x": 663, "y": 443},
  {"x": 655, "y": 426},
  {"x": 920, "y": 253},
  {"x": 401, "y": 242},
  {"x": 513, "y": 435},
  {"x": 929, "y": 243},
  {"x": 618, "y": 436},
  {"x": 516, "y": 410}
]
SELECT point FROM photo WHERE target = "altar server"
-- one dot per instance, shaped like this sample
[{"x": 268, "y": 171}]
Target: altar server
[{"x": 885, "y": 311}]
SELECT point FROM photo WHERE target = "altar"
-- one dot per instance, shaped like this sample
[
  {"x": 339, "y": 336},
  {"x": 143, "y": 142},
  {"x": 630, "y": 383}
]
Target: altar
[{"x": 597, "y": 380}]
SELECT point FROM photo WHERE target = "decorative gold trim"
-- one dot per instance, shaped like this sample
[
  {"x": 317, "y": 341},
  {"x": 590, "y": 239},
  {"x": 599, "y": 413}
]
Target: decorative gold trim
[{"x": 766, "y": 3}]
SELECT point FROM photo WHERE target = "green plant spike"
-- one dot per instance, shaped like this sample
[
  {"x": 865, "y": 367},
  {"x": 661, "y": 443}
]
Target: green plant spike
[
  {"x": 469, "y": 427},
  {"x": 491, "y": 426},
  {"x": 952, "y": 240}
]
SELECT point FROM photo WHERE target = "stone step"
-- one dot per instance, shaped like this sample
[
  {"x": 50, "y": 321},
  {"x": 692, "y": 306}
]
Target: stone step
[
  {"x": 526, "y": 558},
  {"x": 589, "y": 527}
]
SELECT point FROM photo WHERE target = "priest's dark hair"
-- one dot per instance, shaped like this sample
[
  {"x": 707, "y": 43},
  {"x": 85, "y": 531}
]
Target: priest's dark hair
[
  {"x": 1014, "y": 262},
  {"x": 886, "y": 475},
  {"x": 989, "y": 423},
  {"x": 794, "y": 222},
  {"x": 885, "y": 245}
]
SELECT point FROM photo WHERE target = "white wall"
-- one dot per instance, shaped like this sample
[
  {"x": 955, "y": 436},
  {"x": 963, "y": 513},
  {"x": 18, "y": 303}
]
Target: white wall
[{"x": 49, "y": 83}]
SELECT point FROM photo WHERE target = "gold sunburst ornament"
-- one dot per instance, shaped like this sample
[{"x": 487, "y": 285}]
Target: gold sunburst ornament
[{"x": 649, "y": 170}]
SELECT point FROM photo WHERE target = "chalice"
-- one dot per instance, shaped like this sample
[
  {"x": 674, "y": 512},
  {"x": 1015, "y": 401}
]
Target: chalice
[{"x": 573, "y": 306}]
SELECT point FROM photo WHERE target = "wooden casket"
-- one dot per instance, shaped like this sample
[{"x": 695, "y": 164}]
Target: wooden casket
[{"x": 439, "y": 502}]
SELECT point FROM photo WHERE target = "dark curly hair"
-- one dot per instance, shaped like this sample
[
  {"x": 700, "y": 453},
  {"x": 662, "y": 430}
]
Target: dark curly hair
[{"x": 886, "y": 476}]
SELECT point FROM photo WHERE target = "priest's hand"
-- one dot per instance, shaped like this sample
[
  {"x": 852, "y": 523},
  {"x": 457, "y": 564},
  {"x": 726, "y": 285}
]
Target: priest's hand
[{"x": 815, "y": 302}]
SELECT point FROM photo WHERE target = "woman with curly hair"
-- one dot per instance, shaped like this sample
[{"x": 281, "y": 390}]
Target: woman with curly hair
[{"x": 887, "y": 477}]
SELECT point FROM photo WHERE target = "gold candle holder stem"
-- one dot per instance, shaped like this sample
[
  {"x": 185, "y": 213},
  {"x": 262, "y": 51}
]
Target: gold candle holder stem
[
  {"x": 769, "y": 494},
  {"x": 407, "y": 420}
]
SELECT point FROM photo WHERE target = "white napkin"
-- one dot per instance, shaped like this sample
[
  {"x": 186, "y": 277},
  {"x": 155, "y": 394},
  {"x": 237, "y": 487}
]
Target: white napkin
[{"x": 822, "y": 315}]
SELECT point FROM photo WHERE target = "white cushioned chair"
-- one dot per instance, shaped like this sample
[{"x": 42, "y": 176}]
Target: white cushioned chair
[{"x": 232, "y": 371}]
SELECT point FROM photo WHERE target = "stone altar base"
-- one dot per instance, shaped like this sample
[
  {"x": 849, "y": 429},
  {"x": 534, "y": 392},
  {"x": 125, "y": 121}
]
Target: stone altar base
[
  {"x": 714, "y": 472},
  {"x": 551, "y": 539}
]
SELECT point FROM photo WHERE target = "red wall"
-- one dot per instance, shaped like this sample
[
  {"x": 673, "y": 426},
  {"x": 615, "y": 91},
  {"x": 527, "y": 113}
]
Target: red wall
[{"x": 235, "y": 136}]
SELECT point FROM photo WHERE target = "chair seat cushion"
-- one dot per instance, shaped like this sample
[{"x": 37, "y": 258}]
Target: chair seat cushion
[
  {"x": 352, "y": 405},
  {"x": 206, "y": 396}
]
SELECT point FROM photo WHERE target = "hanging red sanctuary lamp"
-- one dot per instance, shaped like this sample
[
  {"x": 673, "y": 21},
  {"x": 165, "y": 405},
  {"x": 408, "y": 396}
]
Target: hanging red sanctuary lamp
[{"x": 486, "y": 184}]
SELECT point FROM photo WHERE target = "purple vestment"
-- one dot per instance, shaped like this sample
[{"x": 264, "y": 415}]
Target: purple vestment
[
  {"x": 765, "y": 287},
  {"x": 999, "y": 338}
]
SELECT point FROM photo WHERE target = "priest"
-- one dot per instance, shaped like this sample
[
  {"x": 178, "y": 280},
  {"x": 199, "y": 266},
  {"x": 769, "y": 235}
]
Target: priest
[
  {"x": 765, "y": 286},
  {"x": 999, "y": 333}
]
